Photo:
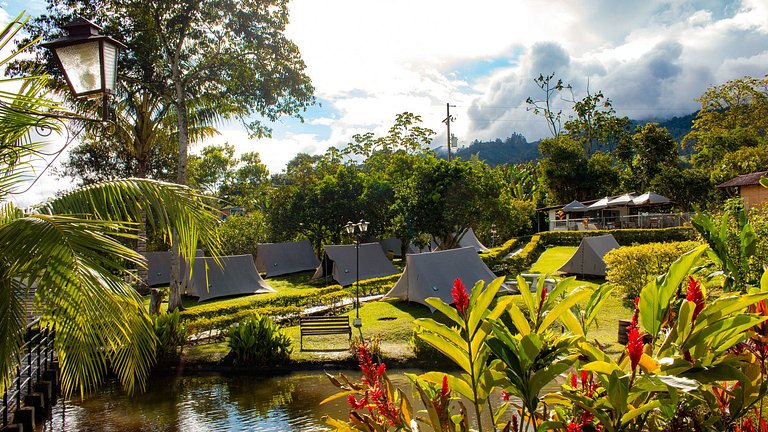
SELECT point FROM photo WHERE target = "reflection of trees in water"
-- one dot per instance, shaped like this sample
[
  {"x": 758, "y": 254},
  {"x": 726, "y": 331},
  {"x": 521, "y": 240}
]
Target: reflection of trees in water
[{"x": 260, "y": 395}]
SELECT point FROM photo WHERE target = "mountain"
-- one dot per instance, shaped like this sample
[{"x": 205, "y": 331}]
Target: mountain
[{"x": 516, "y": 148}]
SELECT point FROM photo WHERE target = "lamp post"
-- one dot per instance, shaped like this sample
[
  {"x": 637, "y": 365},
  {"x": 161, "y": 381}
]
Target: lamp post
[
  {"x": 88, "y": 61},
  {"x": 357, "y": 229},
  {"x": 493, "y": 235}
]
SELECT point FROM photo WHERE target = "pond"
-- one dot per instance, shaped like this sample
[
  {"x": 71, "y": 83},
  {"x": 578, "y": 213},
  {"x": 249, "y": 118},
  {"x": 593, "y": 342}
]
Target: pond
[{"x": 212, "y": 403}]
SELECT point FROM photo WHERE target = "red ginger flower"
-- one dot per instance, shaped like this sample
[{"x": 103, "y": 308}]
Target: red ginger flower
[
  {"x": 695, "y": 295},
  {"x": 635, "y": 347},
  {"x": 460, "y": 297},
  {"x": 543, "y": 296},
  {"x": 504, "y": 396},
  {"x": 574, "y": 381},
  {"x": 445, "y": 391}
]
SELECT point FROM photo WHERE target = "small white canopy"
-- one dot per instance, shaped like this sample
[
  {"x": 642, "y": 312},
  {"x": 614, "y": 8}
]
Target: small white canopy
[
  {"x": 284, "y": 258},
  {"x": 340, "y": 261},
  {"x": 599, "y": 205},
  {"x": 622, "y": 200},
  {"x": 650, "y": 198},
  {"x": 574, "y": 206},
  {"x": 432, "y": 275},
  {"x": 237, "y": 275}
]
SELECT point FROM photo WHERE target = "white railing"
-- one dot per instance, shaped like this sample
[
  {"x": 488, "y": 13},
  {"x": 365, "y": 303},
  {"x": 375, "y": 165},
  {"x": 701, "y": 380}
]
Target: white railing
[{"x": 643, "y": 220}]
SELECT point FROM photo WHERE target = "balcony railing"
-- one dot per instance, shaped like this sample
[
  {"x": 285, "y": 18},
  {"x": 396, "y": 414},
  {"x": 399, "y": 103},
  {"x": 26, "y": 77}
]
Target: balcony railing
[{"x": 643, "y": 220}]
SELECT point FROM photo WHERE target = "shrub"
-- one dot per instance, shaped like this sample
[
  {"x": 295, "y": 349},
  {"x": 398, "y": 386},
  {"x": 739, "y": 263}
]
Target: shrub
[
  {"x": 494, "y": 257},
  {"x": 258, "y": 342},
  {"x": 171, "y": 335},
  {"x": 631, "y": 267}
]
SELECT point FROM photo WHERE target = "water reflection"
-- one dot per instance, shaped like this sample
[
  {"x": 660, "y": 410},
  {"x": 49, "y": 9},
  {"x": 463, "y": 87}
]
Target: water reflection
[
  {"x": 216, "y": 403},
  {"x": 205, "y": 403}
]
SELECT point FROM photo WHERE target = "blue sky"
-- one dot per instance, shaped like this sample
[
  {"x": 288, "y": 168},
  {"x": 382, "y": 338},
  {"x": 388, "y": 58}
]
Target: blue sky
[{"x": 372, "y": 60}]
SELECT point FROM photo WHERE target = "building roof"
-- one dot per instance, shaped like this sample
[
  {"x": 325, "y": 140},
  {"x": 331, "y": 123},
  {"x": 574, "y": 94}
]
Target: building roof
[{"x": 744, "y": 180}]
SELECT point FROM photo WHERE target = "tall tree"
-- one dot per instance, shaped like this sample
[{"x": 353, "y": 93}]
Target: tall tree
[
  {"x": 732, "y": 116},
  {"x": 655, "y": 150},
  {"x": 232, "y": 53}
]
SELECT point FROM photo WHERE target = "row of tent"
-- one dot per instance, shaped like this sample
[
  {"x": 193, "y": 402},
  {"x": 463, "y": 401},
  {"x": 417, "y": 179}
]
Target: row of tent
[{"x": 425, "y": 274}]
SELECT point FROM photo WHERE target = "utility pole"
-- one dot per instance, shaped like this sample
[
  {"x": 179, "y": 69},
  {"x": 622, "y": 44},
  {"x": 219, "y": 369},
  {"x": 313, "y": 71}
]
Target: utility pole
[{"x": 448, "y": 119}]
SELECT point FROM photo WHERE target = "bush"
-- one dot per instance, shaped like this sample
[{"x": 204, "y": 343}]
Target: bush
[
  {"x": 630, "y": 268},
  {"x": 494, "y": 257},
  {"x": 171, "y": 335},
  {"x": 258, "y": 342}
]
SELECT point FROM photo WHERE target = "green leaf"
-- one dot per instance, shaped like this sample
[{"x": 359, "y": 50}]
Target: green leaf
[
  {"x": 457, "y": 355},
  {"x": 563, "y": 306},
  {"x": 632, "y": 414},
  {"x": 657, "y": 295},
  {"x": 525, "y": 293},
  {"x": 446, "y": 310},
  {"x": 518, "y": 319}
]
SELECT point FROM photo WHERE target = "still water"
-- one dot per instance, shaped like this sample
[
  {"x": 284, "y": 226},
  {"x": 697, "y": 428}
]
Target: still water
[{"x": 210, "y": 403}]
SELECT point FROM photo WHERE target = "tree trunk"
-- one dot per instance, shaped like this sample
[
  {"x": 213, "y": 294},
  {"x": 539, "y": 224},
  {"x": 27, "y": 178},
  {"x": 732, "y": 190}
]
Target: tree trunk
[{"x": 174, "y": 300}]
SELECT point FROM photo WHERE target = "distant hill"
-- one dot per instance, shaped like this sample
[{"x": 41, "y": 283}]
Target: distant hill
[{"x": 516, "y": 148}]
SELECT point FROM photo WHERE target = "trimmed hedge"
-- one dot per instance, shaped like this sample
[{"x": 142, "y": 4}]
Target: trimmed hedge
[
  {"x": 495, "y": 256},
  {"x": 625, "y": 237},
  {"x": 630, "y": 268},
  {"x": 219, "y": 315}
]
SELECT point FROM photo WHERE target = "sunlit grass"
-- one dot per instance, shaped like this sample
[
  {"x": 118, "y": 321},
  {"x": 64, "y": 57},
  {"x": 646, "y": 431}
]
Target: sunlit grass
[{"x": 552, "y": 259}]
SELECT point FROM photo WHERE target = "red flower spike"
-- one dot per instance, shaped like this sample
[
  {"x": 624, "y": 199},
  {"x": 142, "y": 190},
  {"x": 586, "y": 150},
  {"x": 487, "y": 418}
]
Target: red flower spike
[
  {"x": 574, "y": 382},
  {"x": 635, "y": 347},
  {"x": 460, "y": 297},
  {"x": 514, "y": 422},
  {"x": 445, "y": 390},
  {"x": 695, "y": 295},
  {"x": 584, "y": 377},
  {"x": 543, "y": 296},
  {"x": 505, "y": 396}
]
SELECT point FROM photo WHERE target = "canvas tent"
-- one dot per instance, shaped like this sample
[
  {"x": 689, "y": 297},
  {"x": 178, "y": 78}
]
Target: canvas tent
[
  {"x": 588, "y": 259},
  {"x": 470, "y": 240},
  {"x": 283, "y": 258},
  {"x": 432, "y": 275},
  {"x": 467, "y": 240},
  {"x": 340, "y": 262},
  {"x": 395, "y": 245},
  {"x": 159, "y": 267},
  {"x": 237, "y": 275}
]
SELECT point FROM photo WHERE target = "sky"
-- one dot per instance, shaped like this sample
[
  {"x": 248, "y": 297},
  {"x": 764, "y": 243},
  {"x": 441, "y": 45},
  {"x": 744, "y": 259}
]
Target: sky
[{"x": 370, "y": 60}]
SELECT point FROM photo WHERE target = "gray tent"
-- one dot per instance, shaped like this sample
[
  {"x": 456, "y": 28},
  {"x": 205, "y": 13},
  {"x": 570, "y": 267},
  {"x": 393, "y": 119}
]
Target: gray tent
[
  {"x": 159, "y": 267},
  {"x": 588, "y": 259},
  {"x": 283, "y": 258},
  {"x": 340, "y": 262},
  {"x": 470, "y": 240},
  {"x": 432, "y": 275},
  {"x": 237, "y": 275},
  {"x": 395, "y": 245}
]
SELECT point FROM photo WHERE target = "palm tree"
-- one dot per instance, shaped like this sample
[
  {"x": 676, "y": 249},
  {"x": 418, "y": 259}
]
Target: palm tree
[{"x": 69, "y": 249}]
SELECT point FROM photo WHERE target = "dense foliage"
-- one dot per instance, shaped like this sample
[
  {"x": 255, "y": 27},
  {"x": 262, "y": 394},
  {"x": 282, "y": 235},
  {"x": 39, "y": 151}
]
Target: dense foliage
[{"x": 258, "y": 341}]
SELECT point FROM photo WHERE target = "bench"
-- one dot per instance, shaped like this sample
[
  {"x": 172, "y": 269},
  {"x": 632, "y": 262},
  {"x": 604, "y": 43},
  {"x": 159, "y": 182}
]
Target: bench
[{"x": 323, "y": 325}]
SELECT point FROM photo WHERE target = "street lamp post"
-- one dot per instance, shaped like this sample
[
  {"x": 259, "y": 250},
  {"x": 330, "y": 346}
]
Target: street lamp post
[{"x": 357, "y": 229}]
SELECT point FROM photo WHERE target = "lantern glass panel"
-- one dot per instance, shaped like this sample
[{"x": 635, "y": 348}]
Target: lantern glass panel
[
  {"x": 82, "y": 66},
  {"x": 110, "y": 66}
]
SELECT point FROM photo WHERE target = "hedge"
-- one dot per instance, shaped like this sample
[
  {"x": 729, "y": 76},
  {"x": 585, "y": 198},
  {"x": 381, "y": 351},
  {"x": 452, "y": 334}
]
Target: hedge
[
  {"x": 219, "y": 315},
  {"x": 495, "y": 256},
  {"x": 631, "y": 267}
]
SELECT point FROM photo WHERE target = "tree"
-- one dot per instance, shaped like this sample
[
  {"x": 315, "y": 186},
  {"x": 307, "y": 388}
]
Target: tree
[
  {"x": 545, "y": 106},
  {"x": 655, "y": 150},
  {"x": 69, "y": 247},
  {"x": 249, "y": 186},
  {"x": 231, "y": 53},
  {"x": 596, "y": 125},
  {"x": 562, "y": 169},
  {"x": 213, "y": 169}
]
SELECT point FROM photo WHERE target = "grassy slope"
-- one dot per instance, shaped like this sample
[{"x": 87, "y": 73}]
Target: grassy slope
[{"x": 552, "y": 259}]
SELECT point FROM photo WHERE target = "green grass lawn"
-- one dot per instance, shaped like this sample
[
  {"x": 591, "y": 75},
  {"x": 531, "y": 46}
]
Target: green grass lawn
[{"x": 552, "y": 259}]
